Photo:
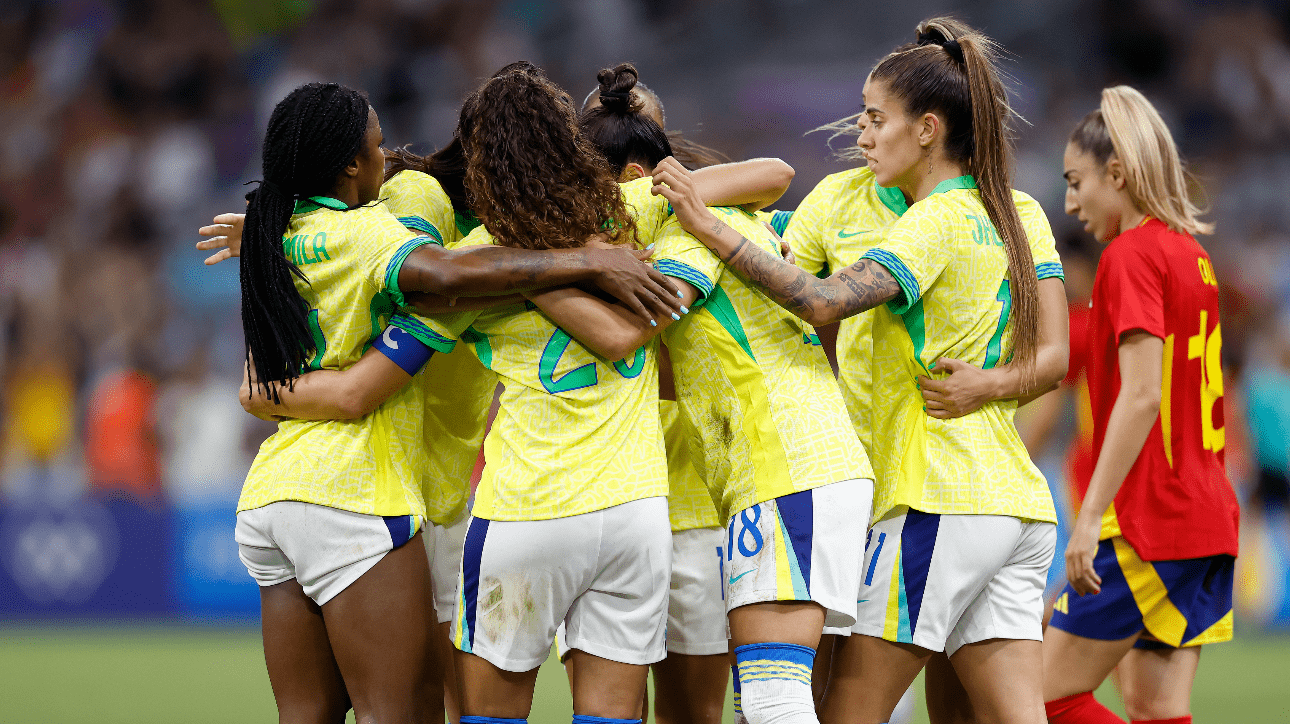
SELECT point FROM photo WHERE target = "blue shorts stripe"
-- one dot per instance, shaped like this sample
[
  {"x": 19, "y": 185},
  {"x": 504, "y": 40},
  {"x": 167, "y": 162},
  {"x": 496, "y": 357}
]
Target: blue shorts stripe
[
  {"x": 917, "y": 543},
  {"x": 797, "y": 511},
  {"x": 400, "y": 527},
  {"x": 471, "y": 557}
]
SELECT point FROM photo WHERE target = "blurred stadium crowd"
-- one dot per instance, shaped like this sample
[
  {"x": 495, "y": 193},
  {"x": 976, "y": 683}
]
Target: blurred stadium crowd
[{"x": 126, "y": 124}]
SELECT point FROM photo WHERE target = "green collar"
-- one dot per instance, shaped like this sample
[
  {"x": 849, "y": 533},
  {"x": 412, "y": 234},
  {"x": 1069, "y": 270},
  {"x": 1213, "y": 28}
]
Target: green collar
[
  {"x": 318, "y": 202},
  {"x": 892, "y": 198}
]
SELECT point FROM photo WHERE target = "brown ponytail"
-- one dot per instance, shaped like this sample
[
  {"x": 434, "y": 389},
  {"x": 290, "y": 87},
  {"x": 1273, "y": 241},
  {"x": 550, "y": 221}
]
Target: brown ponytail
[{"x": 952, "y": 71}]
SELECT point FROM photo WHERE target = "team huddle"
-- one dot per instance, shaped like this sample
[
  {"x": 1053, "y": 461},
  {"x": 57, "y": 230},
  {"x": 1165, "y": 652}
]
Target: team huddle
[{"x": 675, "y": 479}]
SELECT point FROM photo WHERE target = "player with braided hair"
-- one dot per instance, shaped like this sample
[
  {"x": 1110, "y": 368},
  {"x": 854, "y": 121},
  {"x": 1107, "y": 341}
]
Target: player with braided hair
[{"x": 327, "y": 506}]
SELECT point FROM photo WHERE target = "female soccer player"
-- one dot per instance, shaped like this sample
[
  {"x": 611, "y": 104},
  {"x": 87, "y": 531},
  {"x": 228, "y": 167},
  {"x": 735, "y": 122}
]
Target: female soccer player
[
  {"x": 690, "y": 684},
  {"x": 844, "y": 216},
  {"x": 1156, "y": 535},
  {"x": 326, "y": 507},
  {"x": 964, "y": 531},
  {"x": 767, "y": 431}
]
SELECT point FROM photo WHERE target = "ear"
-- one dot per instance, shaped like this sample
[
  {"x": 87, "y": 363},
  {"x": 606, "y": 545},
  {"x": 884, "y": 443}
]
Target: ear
[
  {"x": 1115, "y": 172},
  {"x": 631, "y": 172},
  {"x": 929, "y": 128},
  {"x": 351, "y": 169}
]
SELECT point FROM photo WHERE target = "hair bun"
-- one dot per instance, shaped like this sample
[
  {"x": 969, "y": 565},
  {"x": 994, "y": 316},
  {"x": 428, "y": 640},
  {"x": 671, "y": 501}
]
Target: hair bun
[
  {"x": 936, "y": 36},
  {"x": 616, "y": 88}
]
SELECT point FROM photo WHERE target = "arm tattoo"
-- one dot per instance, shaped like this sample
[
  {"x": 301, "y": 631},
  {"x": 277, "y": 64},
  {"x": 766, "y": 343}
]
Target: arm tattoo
[{"x": 859, "y": 287}]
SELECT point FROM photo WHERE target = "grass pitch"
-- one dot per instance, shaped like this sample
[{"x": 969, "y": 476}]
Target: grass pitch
[{"x": 146, "y": 674}]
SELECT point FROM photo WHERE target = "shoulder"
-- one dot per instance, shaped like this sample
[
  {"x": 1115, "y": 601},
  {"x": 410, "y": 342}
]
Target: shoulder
[
  {"x": 843, "y": 184},
  {"x": 408, "y": 180},
  {"x": 478, "y": 237}
]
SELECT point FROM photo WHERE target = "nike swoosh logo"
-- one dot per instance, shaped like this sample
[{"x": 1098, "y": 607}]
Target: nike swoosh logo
[
  {"x": 741, "y": 575},
  {"x": 863, "y": 600},
  {"x": 845, "y": 235}
]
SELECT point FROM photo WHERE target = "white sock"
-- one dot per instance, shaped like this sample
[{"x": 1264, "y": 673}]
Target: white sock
[{"x": 775, "y": 683}]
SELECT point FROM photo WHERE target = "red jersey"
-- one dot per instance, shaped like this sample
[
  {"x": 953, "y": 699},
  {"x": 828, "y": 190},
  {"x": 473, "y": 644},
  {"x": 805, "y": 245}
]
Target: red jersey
[{"x": 1176, "y": 502}]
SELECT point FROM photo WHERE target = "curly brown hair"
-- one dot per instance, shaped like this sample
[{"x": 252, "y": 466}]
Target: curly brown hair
[{"x": 533, "y": 180}]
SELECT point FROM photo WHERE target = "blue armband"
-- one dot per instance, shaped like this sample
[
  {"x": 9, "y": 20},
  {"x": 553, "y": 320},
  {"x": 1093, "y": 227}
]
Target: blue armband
[{"x": 403, "y": 349}]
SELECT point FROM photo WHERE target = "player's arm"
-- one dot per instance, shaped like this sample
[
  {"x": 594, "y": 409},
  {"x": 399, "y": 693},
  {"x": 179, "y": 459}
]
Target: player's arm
[
  {"x": 605, "y": 328},
  {"x": 492, "y": 270},
  {"x": 968, "y": 387},
  {"x": 752, "y": 185},
  {"x": 426, "y": 304},
  {"x": 861, "y": 286},
  {"x": 342, "y": 394},
  {"x": 1134, "y": 414}
]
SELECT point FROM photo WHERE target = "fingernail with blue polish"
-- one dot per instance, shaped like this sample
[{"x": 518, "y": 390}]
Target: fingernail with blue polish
[
  {"x": 652, "y": 323},
  {"x": 679, "y": 295},
  {"x": 676, "y": 316},
  {"x": 685, "y": 310},
  {"x": 651, "y": 246}
]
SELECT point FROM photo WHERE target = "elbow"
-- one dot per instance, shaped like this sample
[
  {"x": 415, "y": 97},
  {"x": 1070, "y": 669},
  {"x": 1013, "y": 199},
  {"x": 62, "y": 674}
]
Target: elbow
[
  {"x": 355, "y": 403},
  {"x": 782, "y": 174},
  {"x": 618, "y": 349},
  {"x": 1147, "y": 401}
]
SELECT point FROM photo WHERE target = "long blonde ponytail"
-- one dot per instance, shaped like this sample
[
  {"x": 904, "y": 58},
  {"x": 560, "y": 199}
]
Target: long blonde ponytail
[{"x": 1128, "y": 126}]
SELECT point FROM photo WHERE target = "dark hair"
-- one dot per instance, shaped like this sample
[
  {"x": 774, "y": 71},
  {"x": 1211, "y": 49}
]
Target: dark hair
[
  {"x": 447, "y": 165},
  {"x": 533, "y": 180},
  {"x": 951, "y": 71},
  {"x": 314, "y": 133},
  {"x": 619, "y": 127}
]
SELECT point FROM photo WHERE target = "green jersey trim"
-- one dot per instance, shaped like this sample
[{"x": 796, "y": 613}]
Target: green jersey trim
[
  {"x": 779, "y": 221},
  {"x": 423, "y": 333},
  {"x": 304, "y": 206},
  {"x": 894, "y": 199},
  {"x": 466, "y": 222},
  {"x": 916, "y": 326},
  {"x": 483, "y": 350},
  {"x": 1050, "y": 269},
  {"x": 396, "y": 265},
  {"x": 689, "y": 274},
  {"x": 416, "y": 223},
  {"x": 724, "y": 312},
  {"x": 910, "y": 291}
]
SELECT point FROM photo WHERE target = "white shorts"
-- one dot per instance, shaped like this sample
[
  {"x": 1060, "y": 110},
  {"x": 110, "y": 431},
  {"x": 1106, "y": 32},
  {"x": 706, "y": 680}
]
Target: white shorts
[
  {"x": 696, "y": 613},
  {"x": 943, "y": 581},
  {"x": 325, "y": 549},
  {"x": 806, "y": 546},
  {"x": 604, "y": 574},
  {"x": 443, "y": 551}
]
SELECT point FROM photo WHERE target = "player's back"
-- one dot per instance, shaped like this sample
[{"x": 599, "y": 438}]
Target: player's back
[
  {"x": 574, "y": 433},
  {"x": 351, "y": 258},
  {"x": 766, "y": 412},
  {"x": 457, "y": 390}
]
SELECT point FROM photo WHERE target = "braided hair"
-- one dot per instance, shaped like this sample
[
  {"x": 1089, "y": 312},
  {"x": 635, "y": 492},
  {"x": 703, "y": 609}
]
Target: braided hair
[{"x": 314, "y": 133}]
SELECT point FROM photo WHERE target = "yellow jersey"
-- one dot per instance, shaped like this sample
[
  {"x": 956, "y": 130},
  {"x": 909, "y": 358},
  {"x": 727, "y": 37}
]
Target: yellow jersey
[
  {"x": 574, "y": 433},
  {"x": 648, "y": 210},
  {"x": 838, "y": 221},
  {"x": 370, "y": 465},
  {"x": 955, "y": 302},
  {"x": 764, "y": 415},
  {"x": 456, "y": 388},
  {"x": 689, "y": 505}
]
